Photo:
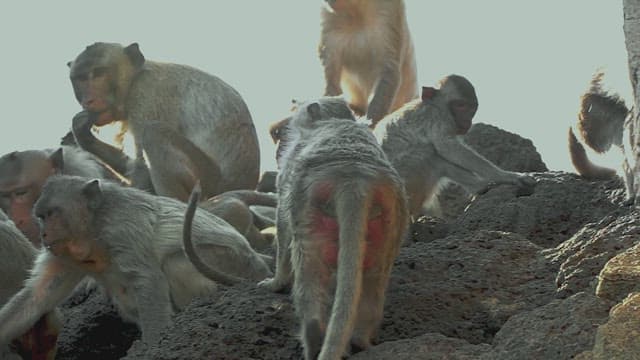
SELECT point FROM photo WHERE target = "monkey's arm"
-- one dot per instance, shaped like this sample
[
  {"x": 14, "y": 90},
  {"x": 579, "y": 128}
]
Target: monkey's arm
[
  {"x": 49, "y": 285},
  {"x": 114, "y": 157},
  {"x": 332, "y": 68},
  {"x": 456, "y": 152}
]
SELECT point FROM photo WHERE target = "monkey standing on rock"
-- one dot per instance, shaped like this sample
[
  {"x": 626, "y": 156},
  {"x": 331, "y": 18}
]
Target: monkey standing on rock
[
  {"x": 367, "y": 53},
  {"x": 341, "y": 217},
  {"x": 602, "y": 120},
  {"x": 130, "y": 242},
  {"x": 18, "y": 254},
  {"x": 165, "y": 106},
  {"x": 422, "y": 141}
]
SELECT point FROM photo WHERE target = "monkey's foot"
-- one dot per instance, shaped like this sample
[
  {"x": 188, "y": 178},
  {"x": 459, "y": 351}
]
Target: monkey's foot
[{"x": 273, "y": 284}]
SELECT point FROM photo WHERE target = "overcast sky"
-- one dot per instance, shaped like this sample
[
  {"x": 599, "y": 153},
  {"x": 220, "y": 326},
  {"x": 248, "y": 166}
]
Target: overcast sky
[{"x": 529, "y": 60}]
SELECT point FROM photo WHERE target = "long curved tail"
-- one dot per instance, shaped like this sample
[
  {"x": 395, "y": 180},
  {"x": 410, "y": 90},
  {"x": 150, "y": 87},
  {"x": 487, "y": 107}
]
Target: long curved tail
[
  {"x": 583, "y": 165},
  {"x": 206, "y": 270},
  {"x": 352, "y": 211}
]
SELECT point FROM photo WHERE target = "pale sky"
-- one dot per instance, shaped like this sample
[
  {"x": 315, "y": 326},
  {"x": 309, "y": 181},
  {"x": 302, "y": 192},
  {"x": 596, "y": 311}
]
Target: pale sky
[{"x": 529, "y": 60}]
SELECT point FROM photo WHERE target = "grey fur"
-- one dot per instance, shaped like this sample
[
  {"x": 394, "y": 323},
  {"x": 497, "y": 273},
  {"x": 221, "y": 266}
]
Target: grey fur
[
  {"x": 192, "y": 107},
  {"x": 420, "y": 141},
  {"x": 327, "y": 150},
  {"x": 146, "y": 271}
]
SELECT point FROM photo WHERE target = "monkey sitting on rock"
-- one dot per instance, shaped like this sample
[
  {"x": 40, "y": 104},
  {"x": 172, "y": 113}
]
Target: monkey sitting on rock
[{"x": 130, "y": 242}]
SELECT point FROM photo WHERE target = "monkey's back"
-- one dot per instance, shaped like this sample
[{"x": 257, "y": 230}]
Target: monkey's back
[{"x": 202, "y": 107}]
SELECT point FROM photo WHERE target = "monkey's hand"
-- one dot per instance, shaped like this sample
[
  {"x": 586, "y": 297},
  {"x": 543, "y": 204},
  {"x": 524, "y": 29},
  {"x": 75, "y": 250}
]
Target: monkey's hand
[
  {"x": 273, "y": 284},
  {"x": 526, "y": 185},
  {"x": 81, "y": 126}
]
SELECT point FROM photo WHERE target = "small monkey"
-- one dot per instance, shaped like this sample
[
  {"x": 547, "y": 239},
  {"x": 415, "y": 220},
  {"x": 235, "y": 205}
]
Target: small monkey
[
  {"x": 340, "y": 220},
  {"x": 367, "y": 53},
  {"x": 17, "y": 256},
  {"x": 164, "y": 105},
  {"x": 23, "y": 173},
  {"x": 423, "y": 143},
  {"x": 602, "y": 120},
  {"x": 130, "y": 243}
]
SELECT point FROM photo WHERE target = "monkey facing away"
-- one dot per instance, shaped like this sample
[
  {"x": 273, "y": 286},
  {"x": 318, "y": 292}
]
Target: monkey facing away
[
  {"x": 367, "y": 53},
  {"x": 17, "y": 256},
  {"x": 423, "y": 144},
  {"x": 602, "y": 120},
  {"x": 165, "y": 106},
  {"x": 130, "y": 242},
  {"x": 23, "y": 173},
  {"x": 341, "y": 217}
]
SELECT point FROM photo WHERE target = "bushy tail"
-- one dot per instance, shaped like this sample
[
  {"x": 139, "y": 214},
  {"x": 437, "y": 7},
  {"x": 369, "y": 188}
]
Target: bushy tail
[
  {"x": 206, "y": 270},
  {"x": 583, "y": 165},
  {"x": 352, "y": 210}
]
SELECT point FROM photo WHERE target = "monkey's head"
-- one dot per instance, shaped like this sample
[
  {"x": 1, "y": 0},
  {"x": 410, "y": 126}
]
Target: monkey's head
[
  {"x": 22, "y": 175},
  {"x": 66, "y": 212},
  {"x": 101, "y": 76},
  {"x": 460, "y": 98},
  {"x": 309, "y": 113},
  {"x": 601, "y": 119}
]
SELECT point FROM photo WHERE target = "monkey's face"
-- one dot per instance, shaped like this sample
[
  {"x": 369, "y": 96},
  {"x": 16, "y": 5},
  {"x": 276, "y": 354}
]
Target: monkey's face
[
  {"x": 93, "y": 88},
  {"x": 463, "y": 112}
]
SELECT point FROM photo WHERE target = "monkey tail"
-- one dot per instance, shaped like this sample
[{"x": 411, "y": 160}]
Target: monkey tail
[
  {"x": 583, "y": 165},
  {"x": 252, "y": 197},
  {"x": 206, "y": 270},
  {"x": 352, "y": 210}
]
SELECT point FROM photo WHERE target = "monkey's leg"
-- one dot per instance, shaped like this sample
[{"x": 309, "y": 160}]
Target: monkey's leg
[
  {"x": 384, "y": 93},
  {"x": 283, "y": 275},
  {"x": 177, "y": 163},
  {"x": 152, "y": 297}
]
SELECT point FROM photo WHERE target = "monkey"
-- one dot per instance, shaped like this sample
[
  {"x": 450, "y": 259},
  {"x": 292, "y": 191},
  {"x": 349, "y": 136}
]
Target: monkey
[
  {"x": 267, "y": 182},
  {"x": 234, "y": 207},
  {"x": 18, "y": 254},
  {"x": 130, "y": 243},
  {"x": 341, "y": 217},
  {"x": 423, "y": 143},
  {"x": 162, "y": 105},
  {"x": 367, "y": 53},
  {"x": 23, "y": 173},
  {"x": 602, "y": 121}
]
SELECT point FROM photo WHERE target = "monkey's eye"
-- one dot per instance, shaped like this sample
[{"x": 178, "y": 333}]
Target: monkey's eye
[
  {"x": 45, "y": 214},
  {"x": 20, "y": 193},
  {"x": 100, "y": 71}
]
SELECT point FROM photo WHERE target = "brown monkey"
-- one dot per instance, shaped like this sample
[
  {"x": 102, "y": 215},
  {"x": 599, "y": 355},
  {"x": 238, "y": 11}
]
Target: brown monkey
[
  {"x": 341, "y": 217},
  {"x": 234, "y": 207},
  {"x": 130, "y": 242},
  {"x": 601, "y": 123},
  {"x": 22, "y": 174},
  {"x": 423, "y": 144},
  {"x": 165, "y": 106},
  {"x": 367, "y": 53},
  {"x": 18, "y": 254}
]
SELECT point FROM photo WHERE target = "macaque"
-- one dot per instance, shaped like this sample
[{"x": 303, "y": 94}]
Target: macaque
[
  {"x": 188, "y": 124},
  {"x": 423, "y": 143},
  {"x": 130, "y": 243},
  {"x": 341, "y": 218},
  {"x": 23, "y": 173},
  {"x": 602, "y": 121},
  {"x": 367, "y": 54},
  {"x": 17, "y": 256}
]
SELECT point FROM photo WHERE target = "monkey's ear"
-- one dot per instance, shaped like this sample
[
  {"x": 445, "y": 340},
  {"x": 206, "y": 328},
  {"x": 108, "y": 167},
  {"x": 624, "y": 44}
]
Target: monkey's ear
[
  {"x": 69, "y": 63},
  {"x": 93, "y": 192},
  {"x": 57, "y": 161},
  {"x": 428, "y": 93},
  {"x": 134, "y": 54},
  {"x": 314, "y": 111}
]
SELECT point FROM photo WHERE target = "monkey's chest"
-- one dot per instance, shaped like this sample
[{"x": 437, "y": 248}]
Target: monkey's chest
[
  {"x": 360, "y": 52},
  {"x": 327, "y": 231}
]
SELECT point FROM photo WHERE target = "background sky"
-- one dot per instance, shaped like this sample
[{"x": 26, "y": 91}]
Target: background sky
[{"x": 529, "y": 60}]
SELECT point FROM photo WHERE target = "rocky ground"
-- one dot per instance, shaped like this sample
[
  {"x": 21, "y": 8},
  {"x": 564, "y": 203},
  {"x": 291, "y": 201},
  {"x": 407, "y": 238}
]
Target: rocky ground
[{"x": 553, "y": 275}]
